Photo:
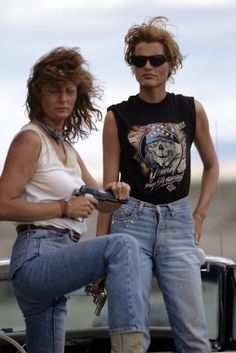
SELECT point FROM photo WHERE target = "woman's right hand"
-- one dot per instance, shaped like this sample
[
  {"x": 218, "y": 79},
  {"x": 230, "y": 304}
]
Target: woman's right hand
[
  {"x": 82, "y": 206},
  {"x": 98, "y": 285}
]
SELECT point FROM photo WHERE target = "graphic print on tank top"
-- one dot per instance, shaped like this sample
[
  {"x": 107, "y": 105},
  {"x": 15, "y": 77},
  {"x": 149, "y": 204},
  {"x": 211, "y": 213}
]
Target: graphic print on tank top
[{"x": 160, "y": 150}]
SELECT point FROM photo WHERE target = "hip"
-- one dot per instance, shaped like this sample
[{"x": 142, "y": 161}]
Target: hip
[{"x": 35, "y": 241}]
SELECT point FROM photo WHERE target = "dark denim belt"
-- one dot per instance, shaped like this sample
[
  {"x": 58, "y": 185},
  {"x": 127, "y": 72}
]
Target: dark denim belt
[{"x": 70, "y": 232}]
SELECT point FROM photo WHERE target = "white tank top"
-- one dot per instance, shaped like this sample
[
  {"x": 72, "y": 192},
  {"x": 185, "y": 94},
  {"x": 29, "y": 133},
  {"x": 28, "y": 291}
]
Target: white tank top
[{"x": 54, "y": 181}]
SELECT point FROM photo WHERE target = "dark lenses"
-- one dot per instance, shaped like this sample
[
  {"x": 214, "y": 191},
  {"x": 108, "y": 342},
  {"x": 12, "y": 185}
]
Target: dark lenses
[{"x": 155, "y": 60}]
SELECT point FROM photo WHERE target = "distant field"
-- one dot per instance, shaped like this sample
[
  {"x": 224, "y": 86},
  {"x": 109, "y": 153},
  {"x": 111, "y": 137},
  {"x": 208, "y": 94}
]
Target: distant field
[{"x": 219, "y": 230}]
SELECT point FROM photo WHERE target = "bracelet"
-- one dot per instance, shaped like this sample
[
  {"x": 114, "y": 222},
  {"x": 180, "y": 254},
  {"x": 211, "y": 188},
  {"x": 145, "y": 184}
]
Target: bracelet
[
  {"x": 64, "y": 208},
  {"x": 197, "y": 217}
]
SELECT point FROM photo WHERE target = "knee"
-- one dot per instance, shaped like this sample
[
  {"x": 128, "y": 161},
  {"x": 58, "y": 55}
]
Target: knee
[
  {"x": 122, "y": 238},
  {"x": 124, "y": 243}
]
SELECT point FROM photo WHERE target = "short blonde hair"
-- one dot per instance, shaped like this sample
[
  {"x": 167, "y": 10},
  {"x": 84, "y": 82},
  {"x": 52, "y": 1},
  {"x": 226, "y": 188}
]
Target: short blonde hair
[{"x": 154, "y": 31}]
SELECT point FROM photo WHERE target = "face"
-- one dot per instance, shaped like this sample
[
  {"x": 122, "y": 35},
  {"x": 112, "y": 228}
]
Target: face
[
  {"x": 150, "y": 76},
  {"x": 58, "y": 102}
]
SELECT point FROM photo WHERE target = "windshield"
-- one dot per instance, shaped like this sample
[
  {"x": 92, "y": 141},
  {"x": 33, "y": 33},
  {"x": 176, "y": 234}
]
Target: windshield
[
  {"x": 211, "y": 299},
  {"x": 234, "y": 308}
]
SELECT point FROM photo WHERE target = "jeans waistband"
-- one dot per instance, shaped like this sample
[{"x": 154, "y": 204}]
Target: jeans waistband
[
  {"x": 175, "y": 204},
  {"x": 71, "y": 233}
]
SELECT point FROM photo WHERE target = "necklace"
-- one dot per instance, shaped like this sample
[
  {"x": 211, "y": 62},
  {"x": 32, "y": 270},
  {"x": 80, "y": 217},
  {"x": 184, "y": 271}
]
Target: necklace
[{"x": 56, "y": 135}]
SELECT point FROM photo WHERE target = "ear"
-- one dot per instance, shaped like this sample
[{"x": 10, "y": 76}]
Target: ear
[{"x": 170, "y": 70}]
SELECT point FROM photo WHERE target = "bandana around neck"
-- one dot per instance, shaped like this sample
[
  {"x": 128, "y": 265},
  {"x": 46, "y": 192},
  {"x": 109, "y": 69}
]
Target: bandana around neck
[{"x": 56, "y": 135}]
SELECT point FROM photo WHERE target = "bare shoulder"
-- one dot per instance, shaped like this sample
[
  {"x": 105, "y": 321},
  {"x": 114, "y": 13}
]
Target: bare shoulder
[
  {"x": 25, "y": 143},
  {"x": 201, "y": 116},
  {"x": 110, "y": 119},
  {"x": 22, "y": 158},
  {"x": 203, "y": 136},
  {"x": 110, "y": 126},
  {"x": 27, "y": 136},
  {"x": 198, "y": 105},
  {"x": 109, "y": 115},
  {"x": 199, "y": 108}
]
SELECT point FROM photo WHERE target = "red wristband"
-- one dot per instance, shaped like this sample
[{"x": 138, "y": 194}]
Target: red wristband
[{"x": 64, "y": 208}]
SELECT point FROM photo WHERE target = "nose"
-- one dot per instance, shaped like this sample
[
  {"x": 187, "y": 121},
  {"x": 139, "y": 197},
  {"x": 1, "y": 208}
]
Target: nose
[
  {"x": 148, "y": 64},
  {"x": 62, "y": 95}
]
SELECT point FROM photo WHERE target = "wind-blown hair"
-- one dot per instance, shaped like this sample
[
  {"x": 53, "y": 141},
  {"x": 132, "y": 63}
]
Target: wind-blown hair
[
  {"x": 56, "y": 68},
  {"x": 154, "y": 31}
]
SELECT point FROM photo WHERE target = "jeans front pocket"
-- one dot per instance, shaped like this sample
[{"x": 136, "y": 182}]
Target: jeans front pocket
[
  {"x": 49, "y": 241},
  {"x": 123, "y": 216},
  {"x": 19, "y": 251},
  {"x": 182, "y": 212}
]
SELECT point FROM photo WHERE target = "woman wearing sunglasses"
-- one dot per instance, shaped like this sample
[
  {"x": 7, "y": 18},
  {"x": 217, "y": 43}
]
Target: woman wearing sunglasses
[{"x": 147, "y": 142}]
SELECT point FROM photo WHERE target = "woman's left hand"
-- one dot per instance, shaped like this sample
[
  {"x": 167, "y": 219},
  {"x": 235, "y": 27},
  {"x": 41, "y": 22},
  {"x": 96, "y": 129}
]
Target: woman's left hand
[{"x": 119, "y": 189}]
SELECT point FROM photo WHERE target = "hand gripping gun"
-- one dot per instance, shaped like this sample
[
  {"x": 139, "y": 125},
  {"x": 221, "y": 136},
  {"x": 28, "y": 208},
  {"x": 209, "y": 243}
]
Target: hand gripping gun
[
  {"x": 99, "y": 296},
  {"x": 99, "y": 194}
]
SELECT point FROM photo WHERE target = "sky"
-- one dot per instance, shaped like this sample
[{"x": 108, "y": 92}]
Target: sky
[{"x": 204, "y": 29}]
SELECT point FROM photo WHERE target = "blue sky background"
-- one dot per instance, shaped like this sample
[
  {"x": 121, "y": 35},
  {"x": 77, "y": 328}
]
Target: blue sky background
[{"x": 204, "y": 29}]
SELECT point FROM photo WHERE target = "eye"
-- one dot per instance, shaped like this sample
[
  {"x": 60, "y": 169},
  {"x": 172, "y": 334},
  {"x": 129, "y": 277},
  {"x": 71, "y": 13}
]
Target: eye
[
  {"x": 53, "y": 90},
  {"x": 71, "y": 90}
]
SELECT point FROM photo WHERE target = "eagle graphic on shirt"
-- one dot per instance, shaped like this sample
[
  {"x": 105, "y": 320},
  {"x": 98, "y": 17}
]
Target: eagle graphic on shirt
[{"x": 160, "y": 150}]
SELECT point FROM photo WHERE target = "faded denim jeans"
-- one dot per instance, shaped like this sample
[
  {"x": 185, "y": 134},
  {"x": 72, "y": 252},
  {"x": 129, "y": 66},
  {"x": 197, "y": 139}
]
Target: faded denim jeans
[
  {"x": 166, "y": 238},
  {"x": 46, "y": 265}
]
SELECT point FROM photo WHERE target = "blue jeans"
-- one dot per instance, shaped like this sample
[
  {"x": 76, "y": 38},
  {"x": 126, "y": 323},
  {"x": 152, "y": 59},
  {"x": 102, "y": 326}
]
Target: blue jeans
[
  {"x": 166, "y": 238},
  {"x": 46, "y": 265}
]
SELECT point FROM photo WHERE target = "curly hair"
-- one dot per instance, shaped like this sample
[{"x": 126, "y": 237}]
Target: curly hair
[
  {"x": 154, "y": 31},
  {"x": 56, "y": 68}
]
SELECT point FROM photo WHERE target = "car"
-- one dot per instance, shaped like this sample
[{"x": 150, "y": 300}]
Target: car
[{"x": 88, "y": 333}]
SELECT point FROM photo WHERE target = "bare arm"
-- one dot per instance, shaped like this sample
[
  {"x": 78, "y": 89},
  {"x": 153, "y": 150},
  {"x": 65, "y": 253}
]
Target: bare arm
[
  {"x": 119, "y": 190},
  {"x": 20, "y": 166},
  {"x": 205, "y": 147},
  {"x": 86, "y": 176},
  {"x": 111, "y": 161}
]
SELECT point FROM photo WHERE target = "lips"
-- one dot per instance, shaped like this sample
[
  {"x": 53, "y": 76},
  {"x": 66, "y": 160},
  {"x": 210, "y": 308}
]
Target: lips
[
  {"x": 148, "y": 76},
  {"x": 62, "y": 108}
]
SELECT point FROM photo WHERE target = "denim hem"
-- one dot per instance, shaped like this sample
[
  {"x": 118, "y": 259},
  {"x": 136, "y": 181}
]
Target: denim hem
[{"x": 126, "y": 330}]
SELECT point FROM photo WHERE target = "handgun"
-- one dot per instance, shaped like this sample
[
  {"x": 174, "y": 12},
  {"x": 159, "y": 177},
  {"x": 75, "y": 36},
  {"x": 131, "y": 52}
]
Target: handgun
[
  {"x": 99, "y": 297},
  {"x": 99, "y": 194}
]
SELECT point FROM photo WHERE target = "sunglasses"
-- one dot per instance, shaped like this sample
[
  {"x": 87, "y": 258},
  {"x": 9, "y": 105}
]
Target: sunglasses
[{"x": 155, "y": 60}]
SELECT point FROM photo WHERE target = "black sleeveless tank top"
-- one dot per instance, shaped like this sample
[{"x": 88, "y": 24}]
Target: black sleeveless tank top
[{"x": 155, "y": 140}]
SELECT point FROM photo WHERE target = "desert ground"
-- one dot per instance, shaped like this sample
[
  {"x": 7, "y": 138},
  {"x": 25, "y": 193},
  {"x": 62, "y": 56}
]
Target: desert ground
[{"x": 219, "y": 229}]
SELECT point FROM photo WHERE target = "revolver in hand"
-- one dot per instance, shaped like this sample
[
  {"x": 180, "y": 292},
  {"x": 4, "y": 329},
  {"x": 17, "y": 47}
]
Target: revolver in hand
[{"x": 99, "y": 296}]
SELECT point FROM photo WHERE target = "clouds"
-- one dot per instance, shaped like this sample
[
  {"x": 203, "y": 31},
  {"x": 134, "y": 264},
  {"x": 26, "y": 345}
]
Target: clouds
[
  {"x": 204, "y": 29},
  {"x": 197, "y": 4}
]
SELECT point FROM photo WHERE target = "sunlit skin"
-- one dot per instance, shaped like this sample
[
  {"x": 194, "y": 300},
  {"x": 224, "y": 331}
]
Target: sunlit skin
[
  {"x": 152, "y": 80},
  {"x": 152, "y": 89},
  {"x": 58, "y": 103}
]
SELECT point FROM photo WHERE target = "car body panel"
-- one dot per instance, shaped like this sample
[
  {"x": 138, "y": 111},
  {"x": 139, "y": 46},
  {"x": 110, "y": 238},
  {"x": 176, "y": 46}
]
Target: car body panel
[{"x": 89, "y": 332}]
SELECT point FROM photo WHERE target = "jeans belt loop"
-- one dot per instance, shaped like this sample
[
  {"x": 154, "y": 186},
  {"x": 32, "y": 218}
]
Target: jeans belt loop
[
  {"x": 171, "y": 209},
  {"x": 141, "y": 205},
  {"x": 73, "y": 235}
]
